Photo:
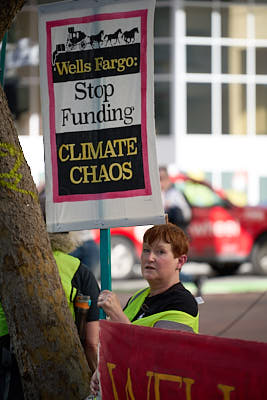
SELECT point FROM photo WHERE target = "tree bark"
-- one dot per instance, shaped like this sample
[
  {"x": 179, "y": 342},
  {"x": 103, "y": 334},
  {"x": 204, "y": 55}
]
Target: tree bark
[
  {"x": 8, "y": 11},
  {"x": 46, "y": 344}
]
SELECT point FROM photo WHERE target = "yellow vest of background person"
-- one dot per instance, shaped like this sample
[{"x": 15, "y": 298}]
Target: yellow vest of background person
[
  {"x": 67, "y": 267},
  {"x": 172, "y": 315},
  {"x": 3, "y": 324}
]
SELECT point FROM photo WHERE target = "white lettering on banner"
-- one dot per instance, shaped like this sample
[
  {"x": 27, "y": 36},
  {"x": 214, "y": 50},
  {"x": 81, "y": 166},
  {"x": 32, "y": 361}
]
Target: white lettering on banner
[
  {"x": 200, "y": 229},
  {"x": 226, "y": 228},
  {"x": 218, "y": 229},
  {"x": 256, "y": 215},
  {"x": 230, "y": 248}
]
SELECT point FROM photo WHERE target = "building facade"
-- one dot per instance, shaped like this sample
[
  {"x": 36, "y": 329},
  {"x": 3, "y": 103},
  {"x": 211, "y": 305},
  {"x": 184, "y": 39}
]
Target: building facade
[{"x": 210, "y": 90}]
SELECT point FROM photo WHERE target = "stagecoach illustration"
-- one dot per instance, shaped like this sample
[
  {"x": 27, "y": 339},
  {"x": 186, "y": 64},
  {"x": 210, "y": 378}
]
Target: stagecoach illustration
[{"x": 78, "y": 40}]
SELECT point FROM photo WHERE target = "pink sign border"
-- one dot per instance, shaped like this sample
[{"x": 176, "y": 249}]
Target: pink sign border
[{"x": 143, "y": 67}]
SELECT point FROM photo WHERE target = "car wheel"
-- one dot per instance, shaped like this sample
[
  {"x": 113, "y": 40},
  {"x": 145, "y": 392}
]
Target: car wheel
[
  {"x": 223, "y": 269},
  {"x": 122, "y": 257},
  {"x": 259, "y": 257}
]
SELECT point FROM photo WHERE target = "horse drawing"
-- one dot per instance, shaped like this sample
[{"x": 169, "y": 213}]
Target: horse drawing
[
  {"x": 113, "y": 36},
  {"x": 96, "y": 39},
  {"x": 129, "y": 36}
]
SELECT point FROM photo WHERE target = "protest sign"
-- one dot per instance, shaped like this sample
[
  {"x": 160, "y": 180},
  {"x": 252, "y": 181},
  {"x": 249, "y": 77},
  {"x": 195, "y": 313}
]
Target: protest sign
[
  {"x": 96, "y": 69},
  {"x": 156, "y": 364}
]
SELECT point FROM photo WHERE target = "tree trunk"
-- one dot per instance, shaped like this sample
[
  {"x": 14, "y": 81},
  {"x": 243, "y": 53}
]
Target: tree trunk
[
  {"x": 8, "y": 10},
  {"x": 50, "y": 357}
]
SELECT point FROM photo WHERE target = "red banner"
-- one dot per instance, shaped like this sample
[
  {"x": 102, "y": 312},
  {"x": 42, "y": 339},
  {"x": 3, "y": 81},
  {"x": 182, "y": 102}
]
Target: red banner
[{"x": 140, "y": 363}]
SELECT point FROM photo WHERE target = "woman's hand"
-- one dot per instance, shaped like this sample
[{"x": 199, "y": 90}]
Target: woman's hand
[{"x": 110, "y": 303}]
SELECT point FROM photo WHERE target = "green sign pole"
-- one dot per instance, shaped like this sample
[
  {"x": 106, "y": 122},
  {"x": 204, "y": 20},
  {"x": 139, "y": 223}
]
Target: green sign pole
[
  {"x": 2, "y": 59},
  {"x": 105, "y": 263}
]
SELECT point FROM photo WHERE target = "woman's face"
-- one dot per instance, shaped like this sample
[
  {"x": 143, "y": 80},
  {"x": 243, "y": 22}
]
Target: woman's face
[{"x": 158, "y": 262}]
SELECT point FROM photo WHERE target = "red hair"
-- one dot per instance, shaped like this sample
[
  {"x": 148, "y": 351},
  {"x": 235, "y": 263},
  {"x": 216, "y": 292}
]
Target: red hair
[{"x": 171, "y": 234}]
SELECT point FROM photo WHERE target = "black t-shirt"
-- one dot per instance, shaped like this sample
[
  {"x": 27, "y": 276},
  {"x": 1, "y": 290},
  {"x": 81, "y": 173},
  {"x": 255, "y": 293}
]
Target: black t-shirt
[
  {"x": 177, "y": 297},
  {"x": 85, "y": 282}
]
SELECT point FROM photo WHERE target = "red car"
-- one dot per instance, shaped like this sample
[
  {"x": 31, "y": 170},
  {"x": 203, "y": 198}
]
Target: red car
[{"x": 222, "y": 234}]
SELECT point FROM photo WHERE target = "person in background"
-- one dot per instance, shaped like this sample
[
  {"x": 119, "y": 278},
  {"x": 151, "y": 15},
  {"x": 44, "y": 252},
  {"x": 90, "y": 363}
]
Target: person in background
[
  {"x": 10, "y": 381},
  {"x": 165, "y": 303},
  {"x": 174, "y": 203},
  {"x": 179, "y": 213},
  {"x": 82, "y": 282},
  {"x": 88, "y": 252}
]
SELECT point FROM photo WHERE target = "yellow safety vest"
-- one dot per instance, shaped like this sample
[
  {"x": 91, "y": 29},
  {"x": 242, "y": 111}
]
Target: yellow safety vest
[
  {"x": 67, "y": 266},
  {"x": 3, "y": 324},
  {"x": 172, "y": 315}
]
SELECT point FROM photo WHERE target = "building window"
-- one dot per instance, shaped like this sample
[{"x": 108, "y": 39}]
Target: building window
[
  {"x": 198, "y": 21},
  {"x": 198, "y": 104},
  {"x": 163, "y": 50},
  {"x": 225, "y": 68},
  {"x": 261, "y": 110},
  {"x": 260, "y": 14},
  {"x": 162, "y": 58},
  {"x": 198, "y": 59},
  {"x": 233, "y": 60},
  {"x": 162, "y": 25},
  {"x": 234, "y": 22},
  {"x": 263, "y": 190},
  {"x": 261, "y": 65},
  {"x": 234, "y": 116},
  {"x": 162, "y": 108}
]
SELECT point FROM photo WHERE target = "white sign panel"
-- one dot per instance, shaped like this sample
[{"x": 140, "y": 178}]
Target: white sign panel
[{"x": 96, "y": 70}]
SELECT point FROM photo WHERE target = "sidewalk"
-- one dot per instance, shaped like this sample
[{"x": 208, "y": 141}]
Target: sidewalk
[
  {"x": 214, "y": 285},
  {"x": 238, "y": 316}
]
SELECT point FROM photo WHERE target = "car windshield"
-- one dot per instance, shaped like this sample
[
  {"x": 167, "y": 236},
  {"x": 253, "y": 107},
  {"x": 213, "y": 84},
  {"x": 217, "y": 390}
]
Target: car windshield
[{"x": 199, "y": 195}]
